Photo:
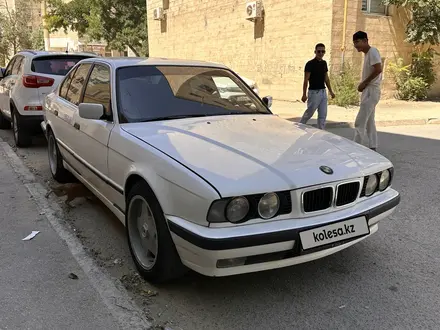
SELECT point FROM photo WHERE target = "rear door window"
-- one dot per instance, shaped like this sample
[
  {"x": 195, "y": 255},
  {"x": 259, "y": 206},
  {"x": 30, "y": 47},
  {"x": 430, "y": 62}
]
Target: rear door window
[
  {"x": 66, "y": 83},
  {"x": 55, "y": 65},
  {"x": 98, "y": 88},
  {"x": 77, "y": 84}
]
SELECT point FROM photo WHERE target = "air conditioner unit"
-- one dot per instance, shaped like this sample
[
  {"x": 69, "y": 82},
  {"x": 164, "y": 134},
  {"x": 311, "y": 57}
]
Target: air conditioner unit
[
  {"x": 254, "y": 10},
  {"x": 158, "y": 14}
]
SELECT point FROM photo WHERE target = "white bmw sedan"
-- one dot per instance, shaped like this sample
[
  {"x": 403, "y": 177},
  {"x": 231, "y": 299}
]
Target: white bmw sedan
[{"x": 209, "y": 181}]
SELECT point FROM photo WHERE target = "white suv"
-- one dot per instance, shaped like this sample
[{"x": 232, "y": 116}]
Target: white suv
[{"x": 27, "y": 79}]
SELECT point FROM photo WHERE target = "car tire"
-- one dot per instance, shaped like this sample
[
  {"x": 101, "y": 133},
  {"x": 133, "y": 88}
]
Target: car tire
[
  {"x": 167, "y": 264},
  {"x": 59, "y": 173},
  {"x": 4, "y": 123},
  {"x": 22, "y": 139}
]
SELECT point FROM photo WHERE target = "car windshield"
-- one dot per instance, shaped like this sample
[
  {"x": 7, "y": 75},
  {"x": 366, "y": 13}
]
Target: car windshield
[
  {"x": 55, "y": 65},
  {"x": 149, "y": 93}
]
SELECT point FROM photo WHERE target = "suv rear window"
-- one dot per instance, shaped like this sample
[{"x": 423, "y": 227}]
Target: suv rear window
[{"x": 55, "y": 65}]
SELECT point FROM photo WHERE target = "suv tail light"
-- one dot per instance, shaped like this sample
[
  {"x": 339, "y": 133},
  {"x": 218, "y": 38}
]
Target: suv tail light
[
  {"x": 33, "y": 108},
  {"x": 32, "y": 81}
]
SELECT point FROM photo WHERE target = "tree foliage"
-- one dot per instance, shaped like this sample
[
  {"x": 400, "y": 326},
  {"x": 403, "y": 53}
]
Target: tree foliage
[
  {"x": 15, "y": 31},
  {"x": 424, "y": 25},
  {"x": 121, "y": 23}
]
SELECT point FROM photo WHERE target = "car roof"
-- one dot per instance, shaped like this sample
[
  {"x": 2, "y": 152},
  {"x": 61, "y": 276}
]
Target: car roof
[
  {"x": 118, "y": 62},
  {"x": 35, "y": 53}
]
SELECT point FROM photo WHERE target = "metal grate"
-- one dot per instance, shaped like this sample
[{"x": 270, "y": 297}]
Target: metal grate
[
  {"x": 317, "y": 200},
  {"x": 364, "y": 5},
  {"x": 347, "y": 193}
]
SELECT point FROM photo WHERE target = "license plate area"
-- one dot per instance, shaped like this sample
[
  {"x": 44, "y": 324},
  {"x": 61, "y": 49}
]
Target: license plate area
[{"x": 334, "y": 234}]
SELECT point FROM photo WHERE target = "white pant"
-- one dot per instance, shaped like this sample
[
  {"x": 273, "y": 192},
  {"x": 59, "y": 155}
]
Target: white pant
[{"x": 365, "y": 124}]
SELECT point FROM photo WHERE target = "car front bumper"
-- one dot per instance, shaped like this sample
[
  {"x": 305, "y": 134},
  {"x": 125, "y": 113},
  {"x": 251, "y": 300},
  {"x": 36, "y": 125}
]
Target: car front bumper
[{"x": 269, "y": 245}]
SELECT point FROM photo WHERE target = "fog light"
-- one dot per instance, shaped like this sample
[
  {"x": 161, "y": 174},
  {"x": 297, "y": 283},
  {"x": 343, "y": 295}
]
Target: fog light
[{"x": 233, "y": 262}]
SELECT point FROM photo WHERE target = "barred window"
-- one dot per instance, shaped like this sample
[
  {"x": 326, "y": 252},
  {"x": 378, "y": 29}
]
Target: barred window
[{"x": 374, "y": 7}]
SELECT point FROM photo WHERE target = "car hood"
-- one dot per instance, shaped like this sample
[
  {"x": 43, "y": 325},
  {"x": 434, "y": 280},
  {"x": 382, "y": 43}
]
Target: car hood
[{"x": 246, "y": 154}]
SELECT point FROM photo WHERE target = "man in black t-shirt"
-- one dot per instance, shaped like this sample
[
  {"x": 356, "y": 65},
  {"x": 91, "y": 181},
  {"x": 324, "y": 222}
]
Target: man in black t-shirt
[{"x": 316, "y": 78}]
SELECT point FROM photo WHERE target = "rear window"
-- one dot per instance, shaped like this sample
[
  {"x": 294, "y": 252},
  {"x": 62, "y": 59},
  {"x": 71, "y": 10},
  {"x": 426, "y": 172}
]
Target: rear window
[{"x": 55, "y": 65}]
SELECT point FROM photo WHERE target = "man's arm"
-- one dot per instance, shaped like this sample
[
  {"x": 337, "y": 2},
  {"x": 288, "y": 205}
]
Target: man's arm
[
  {"x": 377, "y": 71},
  {"x": 327, "y": 82},
  {"x": 307, "y": 72},
  {"x": 376, "y": 62},
  {"x": 306, "y": 82}
]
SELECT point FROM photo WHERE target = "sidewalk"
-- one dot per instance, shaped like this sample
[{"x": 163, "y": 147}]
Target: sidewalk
[
  {"x": 35, "y": 289},
  {"x": 388, "y": 113}
]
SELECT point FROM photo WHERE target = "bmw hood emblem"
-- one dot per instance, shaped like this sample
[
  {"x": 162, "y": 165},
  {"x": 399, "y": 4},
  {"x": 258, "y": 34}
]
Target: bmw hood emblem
[{"x": 326, "y": 169}]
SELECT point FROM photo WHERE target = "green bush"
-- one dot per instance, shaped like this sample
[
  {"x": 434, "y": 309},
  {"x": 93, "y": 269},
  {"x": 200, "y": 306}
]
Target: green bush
[
  {"x": 413, "y": 89},
  {"x": 414, "y": 80},
  {"x": 345, "y": 86}
]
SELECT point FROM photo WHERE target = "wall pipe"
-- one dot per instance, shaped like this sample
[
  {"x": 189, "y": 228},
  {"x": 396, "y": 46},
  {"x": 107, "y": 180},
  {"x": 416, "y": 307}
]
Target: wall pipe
[{"x": 344, "y": 33}]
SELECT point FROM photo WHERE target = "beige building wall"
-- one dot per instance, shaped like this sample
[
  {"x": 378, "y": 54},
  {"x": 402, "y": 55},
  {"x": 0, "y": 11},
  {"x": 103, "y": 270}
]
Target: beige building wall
[
  {"x": 387, "y": 33},
  {"x": 272, "y": 52},
  {"x": 30, "y": 7},
  {"x": 61, "y": 41},
  {"x": 384, "y": 32}
]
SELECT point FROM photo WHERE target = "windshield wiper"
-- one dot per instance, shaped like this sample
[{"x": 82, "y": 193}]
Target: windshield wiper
[{"x": 173, "y": 117}]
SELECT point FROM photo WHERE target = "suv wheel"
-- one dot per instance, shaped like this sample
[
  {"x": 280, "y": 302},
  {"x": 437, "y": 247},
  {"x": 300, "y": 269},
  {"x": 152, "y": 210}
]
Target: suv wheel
[
  {"x": 22, "y": 139},
  {"x": 4, "y": 123}
]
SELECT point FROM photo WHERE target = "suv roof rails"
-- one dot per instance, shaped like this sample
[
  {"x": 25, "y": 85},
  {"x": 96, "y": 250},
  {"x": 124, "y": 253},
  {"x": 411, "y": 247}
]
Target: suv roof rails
[{"x": 28, "y": 51}]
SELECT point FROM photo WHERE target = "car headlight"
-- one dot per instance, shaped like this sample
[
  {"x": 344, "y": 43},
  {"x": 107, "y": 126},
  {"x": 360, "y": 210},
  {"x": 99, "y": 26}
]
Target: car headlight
[
  {"x": 237, "y": 209},
  {"x": 268, "y": 206},
  {"x": 384, "y": 180},
  {"x": 371, "y": 186}
]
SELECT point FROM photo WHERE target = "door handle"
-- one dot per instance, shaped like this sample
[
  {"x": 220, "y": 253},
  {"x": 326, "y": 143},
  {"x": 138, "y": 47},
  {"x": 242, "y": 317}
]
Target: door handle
[
  {"x": 77, "y": 126},
  {"x": 56, "y": 113}
]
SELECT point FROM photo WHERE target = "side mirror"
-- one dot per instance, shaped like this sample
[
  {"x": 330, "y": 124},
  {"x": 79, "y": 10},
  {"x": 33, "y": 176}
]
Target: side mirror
[
  {"x": 2, "y": 73},
  {"x": 91, "y": 111},
  {"x": 268, "y": 101}
]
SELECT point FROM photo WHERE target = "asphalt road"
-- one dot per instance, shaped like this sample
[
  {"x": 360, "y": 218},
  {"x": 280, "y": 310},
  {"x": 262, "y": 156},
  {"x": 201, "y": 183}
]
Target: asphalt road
[{"x": 389, "y": 281}]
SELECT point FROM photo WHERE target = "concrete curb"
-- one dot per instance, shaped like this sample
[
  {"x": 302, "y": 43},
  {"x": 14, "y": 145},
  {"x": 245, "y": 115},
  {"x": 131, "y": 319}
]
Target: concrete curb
[{"x": 380, "y": 123}]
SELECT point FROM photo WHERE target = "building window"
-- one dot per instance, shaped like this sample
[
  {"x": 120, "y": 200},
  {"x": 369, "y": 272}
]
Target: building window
[{"x": 374, "y": 7}]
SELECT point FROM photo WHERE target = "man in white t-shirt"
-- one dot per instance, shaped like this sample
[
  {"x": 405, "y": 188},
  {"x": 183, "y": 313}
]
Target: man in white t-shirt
[{"x": 365, "y": 125}]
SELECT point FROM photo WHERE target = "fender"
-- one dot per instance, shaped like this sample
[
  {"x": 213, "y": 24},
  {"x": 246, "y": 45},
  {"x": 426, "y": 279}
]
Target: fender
[
  {"x": 189, "y": 198},
  {"x": 180, "y": 192}
]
